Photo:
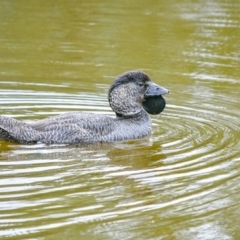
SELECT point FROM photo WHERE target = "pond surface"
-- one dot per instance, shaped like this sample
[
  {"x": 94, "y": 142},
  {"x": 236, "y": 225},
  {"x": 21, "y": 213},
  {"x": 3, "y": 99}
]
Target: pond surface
[{"x": 182, "y": 182}]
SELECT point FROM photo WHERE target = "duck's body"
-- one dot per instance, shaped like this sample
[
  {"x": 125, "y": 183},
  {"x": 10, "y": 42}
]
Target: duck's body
[{"x": 126, "y": 97}]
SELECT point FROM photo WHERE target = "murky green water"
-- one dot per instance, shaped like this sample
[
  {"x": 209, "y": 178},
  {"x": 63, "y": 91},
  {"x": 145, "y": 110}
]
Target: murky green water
[{"x": 180, "y": 183}]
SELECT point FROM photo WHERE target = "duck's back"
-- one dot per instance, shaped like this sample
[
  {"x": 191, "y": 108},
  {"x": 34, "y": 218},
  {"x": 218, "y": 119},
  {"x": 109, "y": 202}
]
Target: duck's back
[
  {"x": 88, "y": 121},
  {"x": 74, "y": 127}
]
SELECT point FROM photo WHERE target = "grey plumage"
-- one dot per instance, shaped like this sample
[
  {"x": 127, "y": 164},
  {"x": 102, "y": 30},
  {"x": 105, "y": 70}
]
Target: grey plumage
[{"x": 130, "y": 96}]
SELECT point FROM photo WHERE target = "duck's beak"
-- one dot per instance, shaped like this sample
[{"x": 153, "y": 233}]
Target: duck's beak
[{"x": 155, "y": 90}]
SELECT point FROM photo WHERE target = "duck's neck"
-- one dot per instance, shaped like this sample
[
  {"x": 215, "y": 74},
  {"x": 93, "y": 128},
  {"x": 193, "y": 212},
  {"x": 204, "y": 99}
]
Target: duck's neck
[
  {"x": 141, "y": 115},
  {"x": 132, "y": 126}
]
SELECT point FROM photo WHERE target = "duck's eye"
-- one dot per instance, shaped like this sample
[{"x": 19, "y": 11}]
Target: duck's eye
[{"x": 140, "y": 84}]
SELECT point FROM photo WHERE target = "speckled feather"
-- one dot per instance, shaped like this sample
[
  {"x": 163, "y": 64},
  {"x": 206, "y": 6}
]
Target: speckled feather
[{"x": 125, "y": 98}]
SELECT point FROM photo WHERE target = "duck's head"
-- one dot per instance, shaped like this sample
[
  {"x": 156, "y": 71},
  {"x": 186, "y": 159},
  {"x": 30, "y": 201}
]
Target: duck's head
[{"x": 134, "y": 90}]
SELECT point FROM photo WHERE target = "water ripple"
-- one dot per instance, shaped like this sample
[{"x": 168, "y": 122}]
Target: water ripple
[{"x": 183, "y": 165}]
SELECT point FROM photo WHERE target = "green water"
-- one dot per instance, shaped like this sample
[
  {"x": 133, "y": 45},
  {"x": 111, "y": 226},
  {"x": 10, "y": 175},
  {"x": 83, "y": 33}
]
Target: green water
[{"x": 182, "y": 182}]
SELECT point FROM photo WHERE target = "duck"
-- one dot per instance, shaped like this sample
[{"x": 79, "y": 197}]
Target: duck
[{"x": 132, "y": 96}]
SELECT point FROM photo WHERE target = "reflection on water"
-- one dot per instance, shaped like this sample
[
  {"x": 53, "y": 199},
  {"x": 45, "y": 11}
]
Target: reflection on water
[{"x": 179, "y": 183}]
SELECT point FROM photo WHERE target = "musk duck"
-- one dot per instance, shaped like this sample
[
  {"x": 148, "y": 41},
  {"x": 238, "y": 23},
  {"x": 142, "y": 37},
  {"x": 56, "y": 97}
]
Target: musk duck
[{"x": 131, "y": 96}]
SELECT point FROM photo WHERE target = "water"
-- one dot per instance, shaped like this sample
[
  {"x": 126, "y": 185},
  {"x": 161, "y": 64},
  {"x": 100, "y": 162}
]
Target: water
[{"x": 182, "y": 182}]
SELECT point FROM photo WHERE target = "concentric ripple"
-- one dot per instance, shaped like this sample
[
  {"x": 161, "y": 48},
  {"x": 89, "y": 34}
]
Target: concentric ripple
[{"x": 183, "y": 165}]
